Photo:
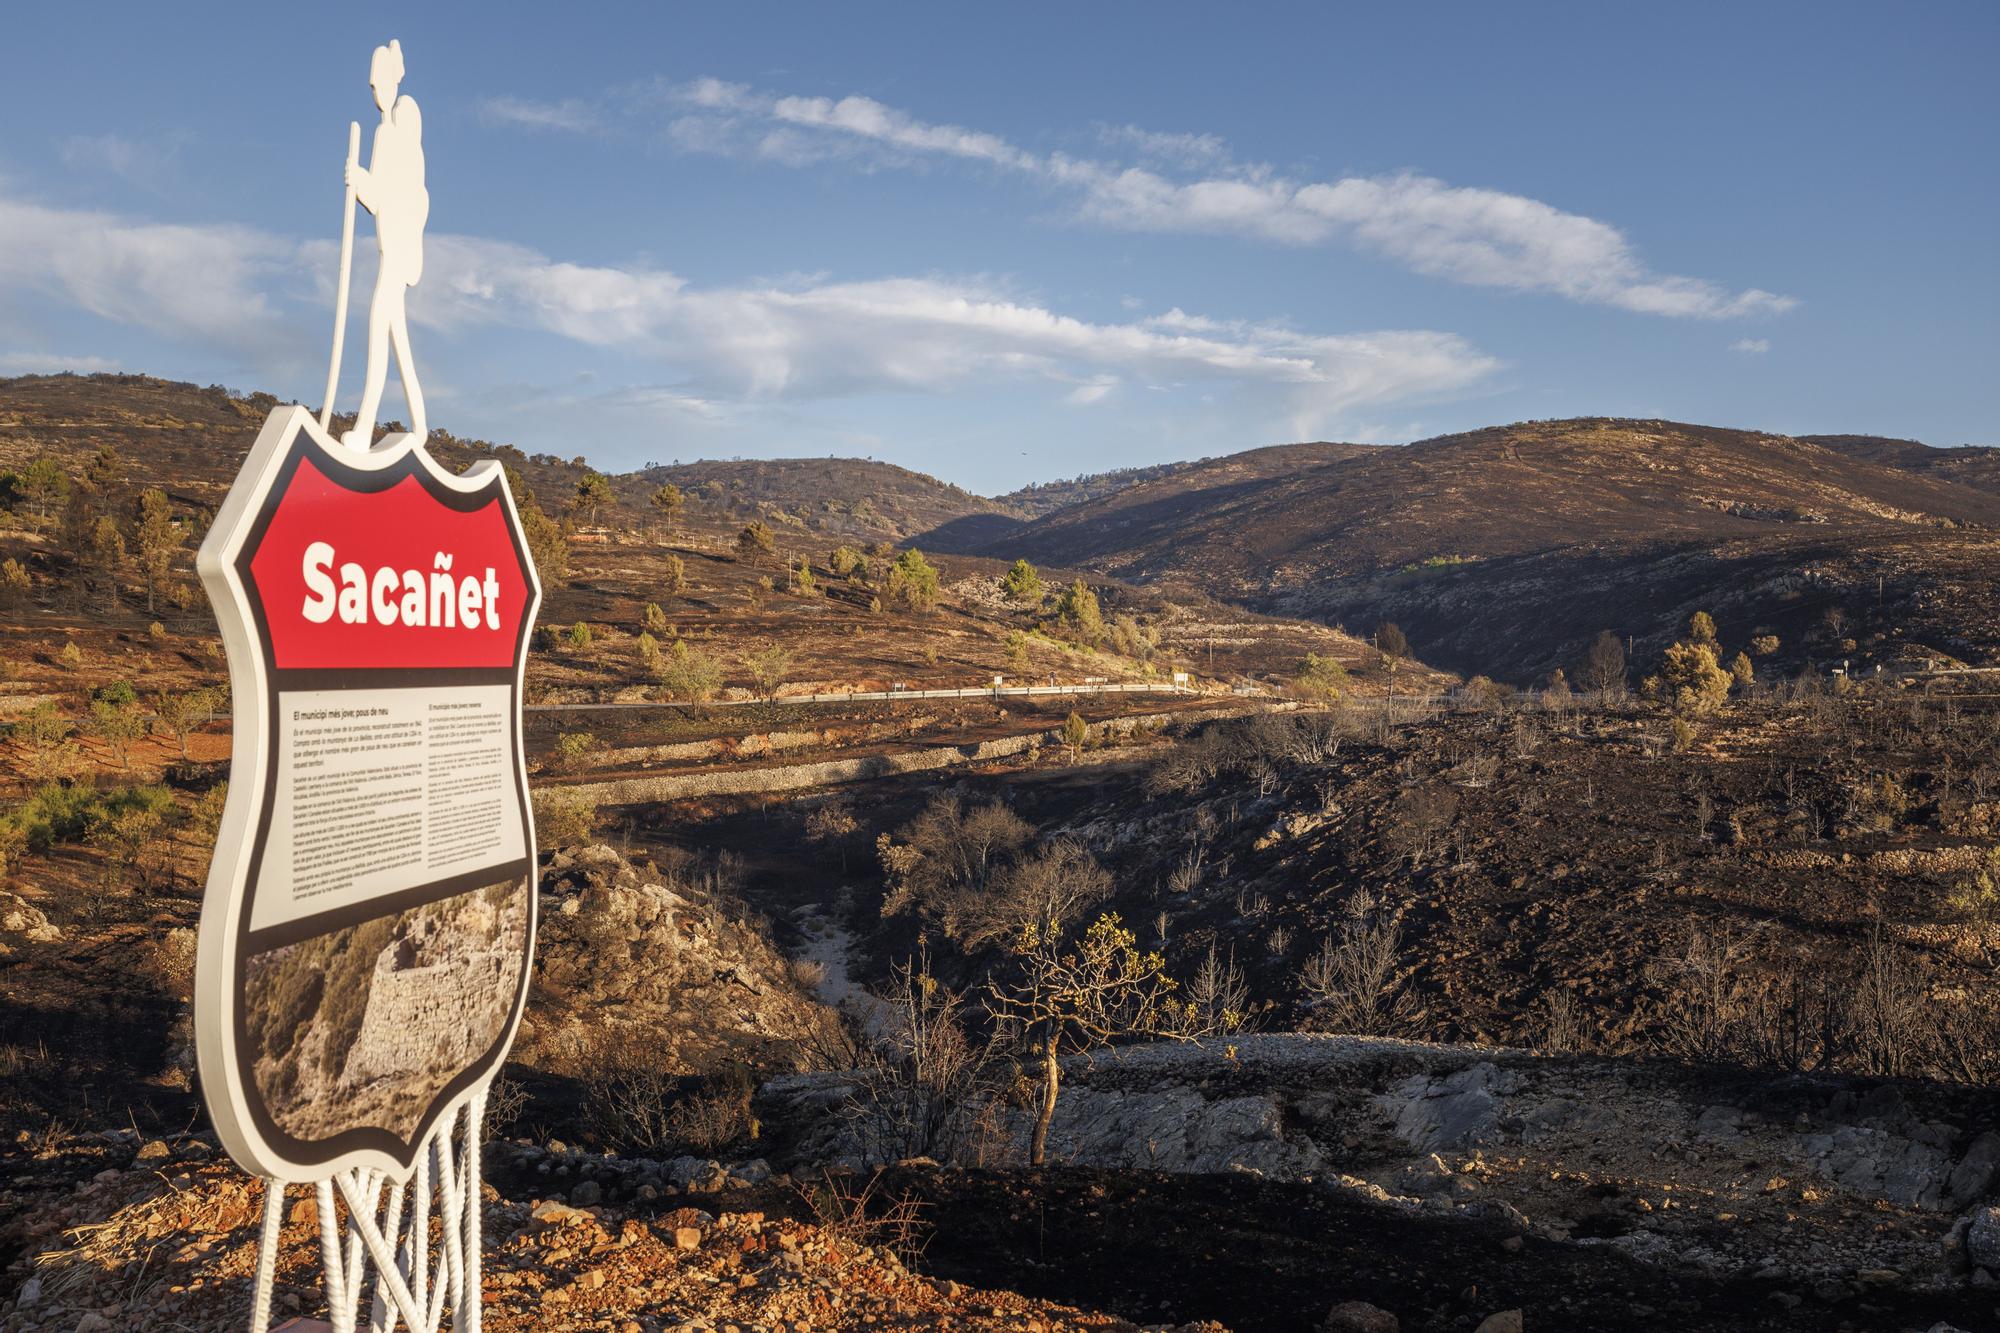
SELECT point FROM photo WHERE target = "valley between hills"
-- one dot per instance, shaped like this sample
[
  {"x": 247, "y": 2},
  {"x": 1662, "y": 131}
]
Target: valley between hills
[{"x": 1543, "y": 878}]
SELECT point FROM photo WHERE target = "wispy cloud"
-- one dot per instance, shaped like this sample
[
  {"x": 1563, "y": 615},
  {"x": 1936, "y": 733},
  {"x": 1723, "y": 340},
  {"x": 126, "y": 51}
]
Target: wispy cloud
[
  {"x": 1095, "y": 390},
  {"x": 570, "y": 114},
  {"x": 147, "y": 163},
  {"x": 795, "y": 340},
  {"x": 819, "y": 338},
  {"x": 1186, "y": 151},
  {"x": 50, "y": 363},
  {"x": 1188, "y": 183},
  {"x": 1751, "y": 346},
  {"x": 213, "y": 283}
]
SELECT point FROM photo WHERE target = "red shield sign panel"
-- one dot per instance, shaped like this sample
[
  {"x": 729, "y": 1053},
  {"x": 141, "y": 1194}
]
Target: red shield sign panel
[{"x": 370, "y": 913}]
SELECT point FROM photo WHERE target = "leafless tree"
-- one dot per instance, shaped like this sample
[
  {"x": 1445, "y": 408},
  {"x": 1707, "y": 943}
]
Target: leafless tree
[
  {"x": 1353, "y": 982},
  {"x": 1558, "y": 1022},
  {"x": 923, "y": 1081},
  {"x": 1038, "y": 895},
  {"x": 1603, "y": 665},
  {"x": 1218, "y": 996},
  {"x": 1887, "y": 1015},
  {"x": 1794, "y": 1017},
  {"x": 944, "y": 863},
  {"x": 1419, "y": 819},
  {"x": 1702, "y": 1007}
]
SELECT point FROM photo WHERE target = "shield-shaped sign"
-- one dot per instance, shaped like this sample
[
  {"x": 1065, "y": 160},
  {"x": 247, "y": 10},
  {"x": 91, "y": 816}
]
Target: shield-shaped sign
[{"x": 370, "y": 912}]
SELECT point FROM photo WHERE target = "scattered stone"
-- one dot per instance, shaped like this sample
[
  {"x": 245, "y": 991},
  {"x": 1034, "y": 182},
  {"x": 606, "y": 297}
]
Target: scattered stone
[
  {"x": 552, "y": 1213},
  {"x": 587, "y": 1194},
  {"x": 155, "y": 1150}
]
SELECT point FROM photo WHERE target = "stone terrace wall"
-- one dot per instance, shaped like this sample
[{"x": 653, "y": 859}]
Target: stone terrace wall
[{"x": 832, "y": 772}]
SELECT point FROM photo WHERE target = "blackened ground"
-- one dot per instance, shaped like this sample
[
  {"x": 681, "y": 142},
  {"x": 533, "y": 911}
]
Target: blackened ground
[
  {"x": 1272, "y": 1258},
  {"x": 1264, "y": 1257}
]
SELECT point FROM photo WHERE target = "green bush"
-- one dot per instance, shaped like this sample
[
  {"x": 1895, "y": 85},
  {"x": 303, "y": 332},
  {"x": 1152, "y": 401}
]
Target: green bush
[
  {"x": 59, "y": 812},
  {"x": 564, "y": 817},
  {"x": 688, "y": 674},
  {"x": 913, "y": 581},
  {"x": 574, "y": 750}
]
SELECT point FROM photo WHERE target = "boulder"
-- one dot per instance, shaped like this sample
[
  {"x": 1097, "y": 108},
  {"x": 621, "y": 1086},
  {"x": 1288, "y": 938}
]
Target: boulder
[
  {"x": 753, "y": 1172},
  {"x": 1359, "y": 1317},
  {"x": 695, "y": 1175},
  {"x": 1507, "y": 1321},
  {"x": 1459, "y": 1110},
  {"x": 1881, "y": 1164},
  {"x": 1982, "y": 1238},
  {"x": 1974, "y": 1175}
]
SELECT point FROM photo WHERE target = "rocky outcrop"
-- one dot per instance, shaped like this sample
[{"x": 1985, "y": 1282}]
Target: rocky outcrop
[
  {"x": 21, "y": 919},
  {"x": 1177, "y": 1129},
  {"x": 1457, "y": 1110},
  {"x": 1667, "y": 1165},
  {"x": 661, "y": 966}
]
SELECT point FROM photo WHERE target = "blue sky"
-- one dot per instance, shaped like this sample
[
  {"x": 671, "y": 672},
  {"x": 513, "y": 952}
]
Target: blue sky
[{"x": 1011, "y": 243}]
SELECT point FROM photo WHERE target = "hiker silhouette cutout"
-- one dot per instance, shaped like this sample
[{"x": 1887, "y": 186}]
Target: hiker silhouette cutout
[{"x": 391, "y": 187}]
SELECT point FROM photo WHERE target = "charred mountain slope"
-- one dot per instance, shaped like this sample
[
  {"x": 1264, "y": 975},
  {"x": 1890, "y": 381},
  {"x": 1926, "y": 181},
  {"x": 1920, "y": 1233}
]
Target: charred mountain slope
[{"x": 1504, "y": 550}]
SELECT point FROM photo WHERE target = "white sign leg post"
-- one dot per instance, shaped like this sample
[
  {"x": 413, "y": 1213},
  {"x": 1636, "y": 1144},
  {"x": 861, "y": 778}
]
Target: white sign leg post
[{"x": 414, "y": 1281}]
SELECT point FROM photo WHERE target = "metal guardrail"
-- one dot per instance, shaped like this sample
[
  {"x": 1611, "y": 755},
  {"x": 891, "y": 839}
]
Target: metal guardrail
[{"x": 862, "y": 696}]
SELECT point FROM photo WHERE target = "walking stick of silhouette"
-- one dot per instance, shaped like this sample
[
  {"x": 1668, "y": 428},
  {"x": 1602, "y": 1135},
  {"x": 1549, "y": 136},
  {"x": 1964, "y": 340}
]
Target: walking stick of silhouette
[{"x": 340, "y": 293}]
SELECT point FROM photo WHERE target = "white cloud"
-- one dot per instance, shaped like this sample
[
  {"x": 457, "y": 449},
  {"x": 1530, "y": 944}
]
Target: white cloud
[
  {"x": 51, "y": 363},
  {"x": 1481, "y": 237},
  {"x": 142, "y": 162},
  {"x": 209, "y": 282},
  {"x": 1751, "y": 346},
  {"x": 866, "y": 118},
  {"x": 1180, "y": 150},
  {"x": 570, "y": 114},
  {"x": 1094, "y": 390},
  {"x": 820, "y": 338},
  {"x": 806, "y": 337}
]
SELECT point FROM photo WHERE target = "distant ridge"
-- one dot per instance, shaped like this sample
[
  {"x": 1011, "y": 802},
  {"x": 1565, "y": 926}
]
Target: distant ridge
[
  {"x": 1505, "y": 549},
  {"x": 1502, "y": 550}
]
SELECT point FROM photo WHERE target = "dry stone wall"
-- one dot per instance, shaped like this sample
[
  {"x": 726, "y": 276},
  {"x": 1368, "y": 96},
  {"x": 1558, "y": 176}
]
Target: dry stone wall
[{"x": 833, "y": 772}]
